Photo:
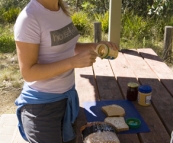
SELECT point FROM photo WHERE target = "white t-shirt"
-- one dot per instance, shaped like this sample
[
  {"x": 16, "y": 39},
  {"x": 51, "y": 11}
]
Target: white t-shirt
[{"x": 57, "y": 37}]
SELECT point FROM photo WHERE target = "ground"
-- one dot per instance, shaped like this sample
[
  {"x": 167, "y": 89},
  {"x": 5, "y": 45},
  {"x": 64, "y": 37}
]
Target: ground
[{"x": 10, "y": 83}]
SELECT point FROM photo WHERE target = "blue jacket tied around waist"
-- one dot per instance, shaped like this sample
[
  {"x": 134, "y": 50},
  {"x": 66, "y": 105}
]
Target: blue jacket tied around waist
[{"x": 31, "y": 96}]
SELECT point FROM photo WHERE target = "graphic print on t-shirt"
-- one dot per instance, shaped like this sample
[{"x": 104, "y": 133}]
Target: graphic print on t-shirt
[{"x": 63, "y": 35}]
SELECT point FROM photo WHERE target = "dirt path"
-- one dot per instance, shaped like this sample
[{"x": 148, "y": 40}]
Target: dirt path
[
  {"x": 10, "y": 83},
  {"x": 7, "y": 97}
]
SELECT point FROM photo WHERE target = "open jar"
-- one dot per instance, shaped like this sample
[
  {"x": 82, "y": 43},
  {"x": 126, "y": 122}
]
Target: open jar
[{"x": 132, "y": 91}]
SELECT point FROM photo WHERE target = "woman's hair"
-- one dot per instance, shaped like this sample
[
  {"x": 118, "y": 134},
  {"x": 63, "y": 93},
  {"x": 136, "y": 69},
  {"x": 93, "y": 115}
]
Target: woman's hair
[{"x": 64, "y": 7}]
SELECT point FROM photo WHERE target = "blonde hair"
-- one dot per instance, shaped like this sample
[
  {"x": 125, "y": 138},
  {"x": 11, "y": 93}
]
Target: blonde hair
[{"x": 64, "y": 7}]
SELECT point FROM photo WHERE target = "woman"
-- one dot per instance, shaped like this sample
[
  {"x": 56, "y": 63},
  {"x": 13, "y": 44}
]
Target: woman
[{"x": 48, "y": 52}]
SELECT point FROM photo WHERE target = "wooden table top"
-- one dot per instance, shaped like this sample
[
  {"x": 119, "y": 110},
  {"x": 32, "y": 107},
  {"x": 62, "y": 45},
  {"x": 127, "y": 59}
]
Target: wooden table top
[{"x": 108, "y": 79}]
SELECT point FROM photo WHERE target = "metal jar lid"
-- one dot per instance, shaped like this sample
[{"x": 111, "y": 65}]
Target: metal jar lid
[{"x": 132, "y": 85}]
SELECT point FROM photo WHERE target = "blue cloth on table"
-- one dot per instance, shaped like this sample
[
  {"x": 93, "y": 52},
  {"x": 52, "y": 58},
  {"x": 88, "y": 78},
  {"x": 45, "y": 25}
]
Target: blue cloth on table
[
  {"x": 31, "y": 96},
  {"x": 94, "y": 113}
]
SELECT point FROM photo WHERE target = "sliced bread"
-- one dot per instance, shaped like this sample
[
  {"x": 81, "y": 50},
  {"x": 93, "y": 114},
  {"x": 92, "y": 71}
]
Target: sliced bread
[
  {"x": 113, "y": 110},
  {"x": 118, "y": 122}
]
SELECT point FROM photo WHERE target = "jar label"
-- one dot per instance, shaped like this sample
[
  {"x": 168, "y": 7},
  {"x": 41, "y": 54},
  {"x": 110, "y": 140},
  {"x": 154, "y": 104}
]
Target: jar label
[{"x": 148, "y": 99}]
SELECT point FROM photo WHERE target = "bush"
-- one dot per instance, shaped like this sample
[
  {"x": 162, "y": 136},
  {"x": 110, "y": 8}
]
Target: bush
[
  {"x": 104, "y": 19},
  {"x": 7, "y": 44},
  {"x": 134, "y": 28},
  {"x": 82, "y": 23},
  {"x": 11, "y": 15}
]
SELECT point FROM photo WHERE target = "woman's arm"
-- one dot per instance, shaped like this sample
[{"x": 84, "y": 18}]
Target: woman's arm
[
  {"x": 80, "y": 47},
  {"x": 32, "y": 71}
]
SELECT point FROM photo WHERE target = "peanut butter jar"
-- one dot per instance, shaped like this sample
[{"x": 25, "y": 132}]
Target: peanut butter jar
[
  {"x": 144, "y": 95},
  {"x": 105, "y": 52}
]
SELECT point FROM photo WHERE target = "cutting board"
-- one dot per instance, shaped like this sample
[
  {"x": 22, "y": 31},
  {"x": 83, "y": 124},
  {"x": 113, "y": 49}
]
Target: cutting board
[{"x": 94, "y": 113}]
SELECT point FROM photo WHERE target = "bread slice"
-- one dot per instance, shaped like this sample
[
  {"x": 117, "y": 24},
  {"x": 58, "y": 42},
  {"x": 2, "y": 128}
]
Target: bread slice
[
  {"x": 113, "y": 110},
  {"x": 102, "y": 137},
  {"x": 118, "y": 122}
]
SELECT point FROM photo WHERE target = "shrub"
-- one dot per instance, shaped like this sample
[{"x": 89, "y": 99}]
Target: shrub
[
  {"x": 104, "y": 19},
  {"x": 82, "y": 23},
  {"x": 7, "y": 44},
  {"x": 11, "y": 15},
  {"x": 134, "y": 29}
]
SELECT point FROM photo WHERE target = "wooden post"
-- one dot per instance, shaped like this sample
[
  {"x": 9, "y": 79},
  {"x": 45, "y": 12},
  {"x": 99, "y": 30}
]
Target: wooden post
[
  {"x": 168, "y": 42},
  {"x": 97, "y": 32},
  {"x": 115, "y": 21}
]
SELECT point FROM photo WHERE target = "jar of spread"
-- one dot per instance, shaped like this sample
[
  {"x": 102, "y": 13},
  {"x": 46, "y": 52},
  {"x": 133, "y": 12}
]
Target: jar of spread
[
  {"x": 132, "y": 91},
  {"x": 144, "y": 95},
  {"x": 105, "y": 52}
]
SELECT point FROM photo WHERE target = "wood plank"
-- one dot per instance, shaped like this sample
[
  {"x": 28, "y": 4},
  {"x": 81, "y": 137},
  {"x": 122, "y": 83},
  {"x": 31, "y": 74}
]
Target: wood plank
[
  {"x": 109, "y": 90},
  {"x": 123, "y": 72},
  {"x": 164, "y": 73},
  {"x": 107, "y": 85},
  {"x": 85, "y": 85},
  {"x": 87, "y": 91},
  {"x": 146, "y": 75}
]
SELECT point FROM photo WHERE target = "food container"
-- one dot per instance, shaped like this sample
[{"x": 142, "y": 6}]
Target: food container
[
  {"x": 144, "y": 95},
  {"x": 99, "y": 132},
  {"x": 133, "y": 123},
  {"x": 132, "y": 91},
  {"x": 105, "y": 52}
]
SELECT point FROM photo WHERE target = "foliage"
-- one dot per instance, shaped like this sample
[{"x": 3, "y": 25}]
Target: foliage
[
  {"x": 7, "y": 4},
  {"x": 10, "y": 15},
  {"x": 9, "y": 9},
  {"x": 82, "y": 23},
  {"x": 7, "y": 44},
  {"x": 134, "y": 27},
  {"x": 89, "y": 6},
  {"x": 104, "y": 19},
  {"x": 149, "y": 8}
]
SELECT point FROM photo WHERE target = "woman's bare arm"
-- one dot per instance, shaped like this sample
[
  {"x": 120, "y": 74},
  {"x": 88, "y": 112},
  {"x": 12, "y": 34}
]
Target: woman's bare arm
[{"x": 32, "y": 71}]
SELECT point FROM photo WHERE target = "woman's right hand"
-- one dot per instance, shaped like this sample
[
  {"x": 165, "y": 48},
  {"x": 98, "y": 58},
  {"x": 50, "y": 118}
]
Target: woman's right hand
[{"x": 84, "y": 59}]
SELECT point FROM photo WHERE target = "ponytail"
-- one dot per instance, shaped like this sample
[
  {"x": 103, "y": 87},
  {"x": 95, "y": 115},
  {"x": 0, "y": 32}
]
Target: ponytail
[{"x": 64, "y": 7}]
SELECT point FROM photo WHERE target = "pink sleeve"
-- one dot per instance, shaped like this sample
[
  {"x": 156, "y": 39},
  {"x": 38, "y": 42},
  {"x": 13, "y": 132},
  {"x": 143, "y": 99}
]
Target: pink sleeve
[{"x": 26, "y": 29}]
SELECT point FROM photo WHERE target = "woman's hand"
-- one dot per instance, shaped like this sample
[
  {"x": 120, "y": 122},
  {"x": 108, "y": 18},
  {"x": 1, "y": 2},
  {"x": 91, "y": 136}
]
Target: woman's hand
[
  {"x": 84, "y": 59},
  {"x": 110, "y": 44}
]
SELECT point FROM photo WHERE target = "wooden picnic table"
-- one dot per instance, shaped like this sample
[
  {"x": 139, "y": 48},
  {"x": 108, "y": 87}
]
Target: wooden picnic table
[{"x": 108, "y": 79}]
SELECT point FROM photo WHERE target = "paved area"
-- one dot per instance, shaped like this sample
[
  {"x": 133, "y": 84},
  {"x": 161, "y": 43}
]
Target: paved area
[{"x": 8, "y": 129}]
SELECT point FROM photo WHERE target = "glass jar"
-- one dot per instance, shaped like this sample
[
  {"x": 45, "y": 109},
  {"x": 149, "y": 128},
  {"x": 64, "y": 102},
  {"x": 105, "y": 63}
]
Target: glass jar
[
  {"x": 132, "y": 91},
  {"x": 105, "y": 52}
]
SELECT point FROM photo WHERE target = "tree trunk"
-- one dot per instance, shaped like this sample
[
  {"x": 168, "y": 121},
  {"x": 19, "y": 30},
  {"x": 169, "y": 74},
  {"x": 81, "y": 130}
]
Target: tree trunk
[{"x": 77, "y": 3}]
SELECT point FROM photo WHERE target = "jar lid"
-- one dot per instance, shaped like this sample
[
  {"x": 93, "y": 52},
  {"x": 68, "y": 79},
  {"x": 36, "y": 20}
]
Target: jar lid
[
  {"x": 132, "y": 84},
  {"x": 145, "y": 89},
  {"x": 133, "y": 123}
]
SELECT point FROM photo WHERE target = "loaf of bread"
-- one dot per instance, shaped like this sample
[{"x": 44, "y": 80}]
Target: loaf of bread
[
  {"x": 113, "y": 110},
  {"x": 118, "y": 122},
  {"x": 99, "y": 132},
  {"x": 102, "y": 137}
]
